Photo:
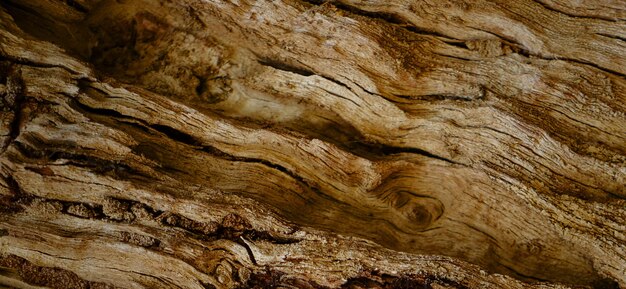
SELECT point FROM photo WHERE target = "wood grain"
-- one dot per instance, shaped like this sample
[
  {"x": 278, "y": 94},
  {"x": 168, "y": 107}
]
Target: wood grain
[{"x": 308, "y": 144}]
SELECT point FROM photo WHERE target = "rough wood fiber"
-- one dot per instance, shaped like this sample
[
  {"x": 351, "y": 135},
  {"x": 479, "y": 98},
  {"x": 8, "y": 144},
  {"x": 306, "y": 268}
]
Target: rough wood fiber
[{"x": 355, "y": 144}]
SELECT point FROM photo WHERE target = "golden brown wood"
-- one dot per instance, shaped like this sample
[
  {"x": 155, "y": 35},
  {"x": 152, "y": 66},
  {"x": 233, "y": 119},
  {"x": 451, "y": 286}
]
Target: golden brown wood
[{"x": 356, "y": 144}]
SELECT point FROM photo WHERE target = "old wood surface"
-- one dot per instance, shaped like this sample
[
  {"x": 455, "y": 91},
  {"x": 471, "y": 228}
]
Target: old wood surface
[{"x": 307, "y": 144}]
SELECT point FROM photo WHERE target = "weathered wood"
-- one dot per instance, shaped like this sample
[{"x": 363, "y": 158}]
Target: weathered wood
[{"x": 201, "y": 144}]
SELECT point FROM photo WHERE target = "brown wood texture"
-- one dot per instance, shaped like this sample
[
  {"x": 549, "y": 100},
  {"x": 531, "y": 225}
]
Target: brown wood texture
[{"x": 313, "y": 144}]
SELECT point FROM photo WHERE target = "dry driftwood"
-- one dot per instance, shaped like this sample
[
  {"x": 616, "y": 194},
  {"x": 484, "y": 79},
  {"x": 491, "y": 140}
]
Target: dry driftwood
[{"x": 349, "y": 143}]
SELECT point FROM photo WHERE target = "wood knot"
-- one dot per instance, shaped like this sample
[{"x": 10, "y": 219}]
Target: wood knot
[
  {"x": 420, "y": 211},
  {"x": 223, "y": 273},
  {"x": 408, "y": 205}
]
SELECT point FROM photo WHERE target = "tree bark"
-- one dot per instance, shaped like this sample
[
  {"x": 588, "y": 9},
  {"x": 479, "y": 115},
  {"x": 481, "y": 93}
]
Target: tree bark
[{"x": 313, "y": 144}]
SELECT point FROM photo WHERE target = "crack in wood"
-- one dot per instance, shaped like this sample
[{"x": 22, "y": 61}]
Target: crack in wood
[
  {"x": 14, "y": 98},
  {"x": 48, "y": 276}
]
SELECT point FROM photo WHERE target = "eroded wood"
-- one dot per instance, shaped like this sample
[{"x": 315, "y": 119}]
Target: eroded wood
[{"x": 347, "y": 143}]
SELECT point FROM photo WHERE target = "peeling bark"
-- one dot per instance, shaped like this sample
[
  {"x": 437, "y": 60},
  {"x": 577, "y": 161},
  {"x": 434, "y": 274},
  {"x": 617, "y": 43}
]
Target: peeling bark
[{"x": 313, "y": 144}]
